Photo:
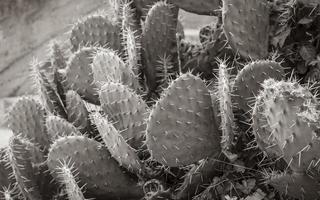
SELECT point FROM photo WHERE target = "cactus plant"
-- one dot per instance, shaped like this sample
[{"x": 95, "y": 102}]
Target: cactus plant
[{"x": 100, "y": 114}]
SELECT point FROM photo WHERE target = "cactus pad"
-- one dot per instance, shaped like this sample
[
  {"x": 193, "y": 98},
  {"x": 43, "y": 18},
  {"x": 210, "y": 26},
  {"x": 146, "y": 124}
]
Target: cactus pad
[
  {"x": 66, "y": 176},
  {"x": 23, "y": 157},
  {"x": 99, "y": 172},
  {"x": 78, "y": 114},
  {"x": 108, "y": 66},
  {"x": 27, "y": 117},
  {"x": 300, "y": 186},
  {"x": 96, "y": 30},
  {"x": 58, "y": 127},
  {"x": 181, "y": 129},
  {"x": 117, "y": 146},
  {"x": 44, "y": 77},
  {"x": 126, "y": 110},
  {"x": 246, "y": 25},
  {"x": 293, "y": 115},
  {"x": 248, "y": 81},
  {"x": 262, "y": 131},
  {"x": 226, "y": 111},
  {"x": 79, "y": 75},
  {"x": 157, "y": 40}
]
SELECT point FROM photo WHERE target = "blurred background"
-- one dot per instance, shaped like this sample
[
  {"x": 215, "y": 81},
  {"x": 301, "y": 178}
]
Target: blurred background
[{"x": 28, "y": 26}]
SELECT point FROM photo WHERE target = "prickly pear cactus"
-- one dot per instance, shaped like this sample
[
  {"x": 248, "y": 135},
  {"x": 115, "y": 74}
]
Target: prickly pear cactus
[
  {"x": 296, "y": 185},
  {"x": 248, "y": 81},
  {"x": 126, "y": 110},
  {"x": 27, "y": 118},
  {"x": 79, "y": 75},
  {"x": 246, "y": 25},
  {"x": 228, "y": 126},
  {"x": 78, "y": 114},
  {"x": 24, "y": 157},
  {"x": 143, "y": 6},
  {"x": 58, "y": 127},
  {"x": 117, "y": 146},
  {"x": 293, "y": 115},
  {"x": 57, "y": 56},
  {"x": 47, "y": 88},
  {"x": 96, "y": 30},
  {"x": 98, "y": 171},
  {"x": 200, "y": 174},
  {"x": 162, "y": 35},
  {"x": 5, "y": 181},
  {"x": 180, "y": 129},
  {"x": 102, "y": 131},
  {"x": 263, "y": 132},
  {"x": 133, "y": 51},
  {"x": 107, "y": 66},
  {"x": 68, "y": 178}
]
